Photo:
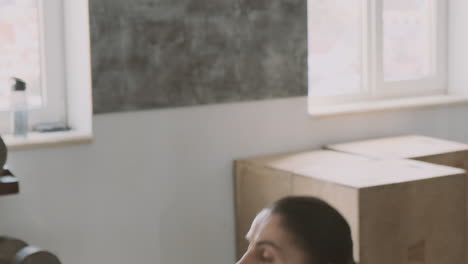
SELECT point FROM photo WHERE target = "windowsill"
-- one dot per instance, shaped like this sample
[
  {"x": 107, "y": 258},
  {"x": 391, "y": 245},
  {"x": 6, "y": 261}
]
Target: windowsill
[
  {"x": 34, "y": 139},
  {"x": 385, "y": 105}
]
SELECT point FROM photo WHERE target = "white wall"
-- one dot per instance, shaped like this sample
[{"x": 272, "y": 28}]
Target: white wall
[{"x": 156, "y": 186}]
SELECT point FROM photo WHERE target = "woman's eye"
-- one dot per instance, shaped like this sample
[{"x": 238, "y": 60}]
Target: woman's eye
[{"x": 265, "y": 257}]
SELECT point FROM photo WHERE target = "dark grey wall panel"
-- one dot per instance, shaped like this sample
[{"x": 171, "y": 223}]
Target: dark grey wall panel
[{"x": 170, "y": 53}]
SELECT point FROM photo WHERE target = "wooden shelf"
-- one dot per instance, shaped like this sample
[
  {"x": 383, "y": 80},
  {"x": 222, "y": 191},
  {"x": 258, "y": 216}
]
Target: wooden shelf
[{"x": 8, "y": 183}]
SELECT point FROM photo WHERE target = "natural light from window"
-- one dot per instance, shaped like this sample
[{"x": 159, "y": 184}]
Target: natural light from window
[
  {"x": 46, "y": 44},
  {"x": 20, "y": 48},
  {"x": 408, "y": 41},
  {"x": 336, "y": 37},
  {"x": 374, "y": 51}
]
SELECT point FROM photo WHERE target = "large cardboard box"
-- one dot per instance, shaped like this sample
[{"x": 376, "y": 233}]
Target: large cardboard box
[
  {"x": 434, "y": 150},
  {"x": 400, "y": 211}
]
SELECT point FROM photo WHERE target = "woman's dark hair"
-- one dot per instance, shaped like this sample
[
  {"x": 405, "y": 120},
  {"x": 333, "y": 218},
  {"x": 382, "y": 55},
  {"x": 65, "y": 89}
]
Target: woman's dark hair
[{"x": 319, "y": 229}]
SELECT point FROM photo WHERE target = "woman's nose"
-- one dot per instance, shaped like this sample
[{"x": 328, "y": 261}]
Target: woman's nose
[{"x": 243, "y": 259}]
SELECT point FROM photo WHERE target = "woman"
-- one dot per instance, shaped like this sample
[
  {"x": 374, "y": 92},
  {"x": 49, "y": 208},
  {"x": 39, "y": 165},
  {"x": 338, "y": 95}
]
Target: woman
[{"x": 299, "y": 230}]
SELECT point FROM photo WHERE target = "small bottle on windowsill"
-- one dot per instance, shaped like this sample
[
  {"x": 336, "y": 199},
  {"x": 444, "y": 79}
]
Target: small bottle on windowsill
[{"x": 19, "y": 108}]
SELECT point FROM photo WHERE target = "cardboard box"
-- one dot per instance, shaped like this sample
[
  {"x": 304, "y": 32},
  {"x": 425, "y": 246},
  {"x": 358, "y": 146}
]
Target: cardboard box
[
  {"x": 428, "y": 149},
  {"x": 400, "y": 211}
]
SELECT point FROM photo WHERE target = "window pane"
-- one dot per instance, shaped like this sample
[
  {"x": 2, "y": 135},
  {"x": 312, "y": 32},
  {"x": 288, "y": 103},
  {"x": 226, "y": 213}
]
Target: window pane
[
  {"x": 407, "y": 33},
  {"x": 334, "y": 47},
  {"x": 19, "y": 46}
]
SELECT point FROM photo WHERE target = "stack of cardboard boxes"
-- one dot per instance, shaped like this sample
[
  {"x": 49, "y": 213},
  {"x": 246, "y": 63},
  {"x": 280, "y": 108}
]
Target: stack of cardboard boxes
[{"x": 403, "y": 197}]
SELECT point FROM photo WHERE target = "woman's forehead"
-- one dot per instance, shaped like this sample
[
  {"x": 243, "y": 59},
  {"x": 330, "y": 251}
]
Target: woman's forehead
[
  {"x": 267, "y": 226},
  {"x": 267, "y": 229},
  {"x": 258, "y": 224}
]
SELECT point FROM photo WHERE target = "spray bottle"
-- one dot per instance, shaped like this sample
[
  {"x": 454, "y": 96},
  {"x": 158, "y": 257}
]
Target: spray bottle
[{"x": 19, "y": 105}]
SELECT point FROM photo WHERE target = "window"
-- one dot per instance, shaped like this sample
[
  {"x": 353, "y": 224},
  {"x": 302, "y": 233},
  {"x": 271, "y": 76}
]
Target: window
[
  {"x": 368, "y": 50},
  {"x": 32, "y": 49},
  {"x": 46, "y": 43}
]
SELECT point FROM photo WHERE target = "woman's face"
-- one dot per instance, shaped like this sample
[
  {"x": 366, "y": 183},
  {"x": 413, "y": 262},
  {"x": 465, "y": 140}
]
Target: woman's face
[{"x": 269, "y": 242}]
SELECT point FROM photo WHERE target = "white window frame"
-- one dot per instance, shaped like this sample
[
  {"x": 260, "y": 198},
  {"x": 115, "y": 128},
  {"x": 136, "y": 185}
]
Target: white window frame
[
  {"x": 52, "y": 68},
  {"x": 374, "y": 90},
  {"x": 428, "y": 86},
  {"x": 66, "y": 66}
]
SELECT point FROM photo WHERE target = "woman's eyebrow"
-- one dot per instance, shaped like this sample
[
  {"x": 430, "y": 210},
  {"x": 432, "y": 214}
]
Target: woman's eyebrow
[{"x": 269, "y": 243}]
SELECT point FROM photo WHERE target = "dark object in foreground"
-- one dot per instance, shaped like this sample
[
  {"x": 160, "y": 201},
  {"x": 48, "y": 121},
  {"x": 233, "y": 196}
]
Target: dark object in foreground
[
  {"x": 9, "y": 247},
  {"x": 8, "y": 183},
  {"x": 34, "y": 255},
  {"x": 15, "y": 251}
]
